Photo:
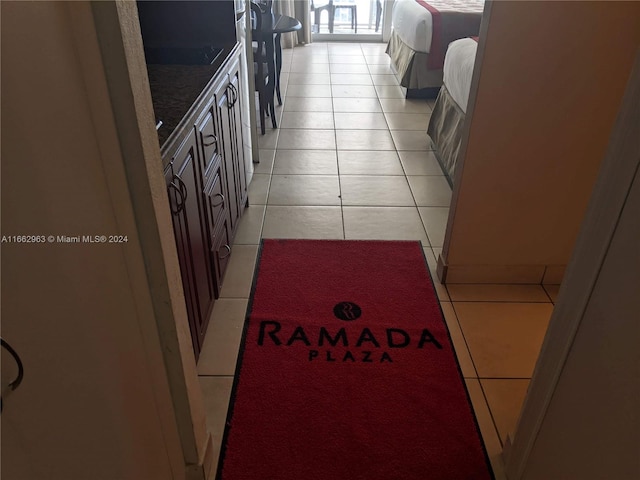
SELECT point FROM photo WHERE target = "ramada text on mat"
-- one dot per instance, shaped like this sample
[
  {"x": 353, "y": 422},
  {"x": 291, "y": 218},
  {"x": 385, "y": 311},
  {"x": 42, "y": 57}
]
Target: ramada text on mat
[{"x": 271, "y": 333}]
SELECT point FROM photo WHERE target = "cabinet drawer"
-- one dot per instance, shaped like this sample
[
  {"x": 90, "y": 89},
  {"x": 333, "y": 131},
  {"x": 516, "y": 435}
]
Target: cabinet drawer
[
  {"x": 215, "y": 201},
  {"x": 208, "y": 138},
  {"x": 220, "y": 253}
]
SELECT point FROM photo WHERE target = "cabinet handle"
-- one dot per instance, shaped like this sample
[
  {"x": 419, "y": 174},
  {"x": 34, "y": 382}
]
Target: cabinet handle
[
  {"x": 221, "y": 200},
  {"x": 18, "y": 380},
  {"x": 228, "y": 251},
  {"x": 214, "y": 140},
  {"x": 234, "y": 95},
  {"x": 183, "y": 188},
  {"x": 180, "y": 205},
  {"x": 229, "y": 97}
]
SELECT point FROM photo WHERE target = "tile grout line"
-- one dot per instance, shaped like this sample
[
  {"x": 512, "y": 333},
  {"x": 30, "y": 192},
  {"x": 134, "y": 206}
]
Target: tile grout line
[
  {"x": 493, "y": 420},
  {"x": 273, "y": 166},
  {"x": 335, "y": 139},
  {"x": 466, "y": 344},
  {"x": 505, "y": 378},
  {"x": 539, "y": 302},
  {"x": 547, "y": 293}
]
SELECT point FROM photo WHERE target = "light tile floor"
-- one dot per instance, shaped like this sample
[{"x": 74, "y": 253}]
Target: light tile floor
[{"x": 352, "y": 160}]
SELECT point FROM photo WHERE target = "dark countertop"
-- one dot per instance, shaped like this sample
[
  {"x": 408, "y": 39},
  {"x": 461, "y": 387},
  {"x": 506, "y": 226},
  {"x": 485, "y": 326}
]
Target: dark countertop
[{"x": 174, "y": 89}]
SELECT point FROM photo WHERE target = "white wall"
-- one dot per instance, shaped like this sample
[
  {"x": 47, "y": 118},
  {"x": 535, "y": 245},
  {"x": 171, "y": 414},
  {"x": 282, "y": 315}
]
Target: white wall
[
  {"x": 548, "y": 88},
  {"x": 95, "y": 401}
]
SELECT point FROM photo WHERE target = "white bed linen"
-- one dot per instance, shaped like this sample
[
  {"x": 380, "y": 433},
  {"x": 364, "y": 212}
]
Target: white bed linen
[
  {"x": 458, "y": 69},
  {"x": 413, "y": 24}
]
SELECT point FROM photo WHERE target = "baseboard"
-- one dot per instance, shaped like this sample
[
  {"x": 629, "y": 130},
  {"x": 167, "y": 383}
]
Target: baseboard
[{"x": 513, "y": 274}]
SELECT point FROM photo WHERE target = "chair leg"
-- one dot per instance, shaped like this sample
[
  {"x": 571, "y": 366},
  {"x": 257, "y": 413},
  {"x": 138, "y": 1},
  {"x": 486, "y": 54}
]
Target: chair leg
[
  {"x": 278, "y": 49},
  {"x": 354, "y": 16},
  {"x": 332, "y": 16},
  {"x": 262, "y": 126},
  {"x": 272, "y": 107},
  {"x": 261, "y": 108}
]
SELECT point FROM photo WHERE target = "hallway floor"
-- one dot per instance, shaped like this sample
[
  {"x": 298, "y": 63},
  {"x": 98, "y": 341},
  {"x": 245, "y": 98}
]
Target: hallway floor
[{"x": 351, "y": 160}]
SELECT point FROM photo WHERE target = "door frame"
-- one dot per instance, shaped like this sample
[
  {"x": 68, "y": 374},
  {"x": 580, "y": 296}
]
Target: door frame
[
  {"x": 118, "y": 35},
  {"x": 617, "y": 172}
]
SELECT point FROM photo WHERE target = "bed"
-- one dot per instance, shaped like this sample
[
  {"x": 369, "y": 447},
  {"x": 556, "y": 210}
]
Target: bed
[
  {"x": 449, "y": 111},
  {"x": 421, "y": 32}
]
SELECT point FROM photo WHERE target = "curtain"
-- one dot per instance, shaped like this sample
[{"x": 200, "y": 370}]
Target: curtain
[{"x": 300, "y": 9}]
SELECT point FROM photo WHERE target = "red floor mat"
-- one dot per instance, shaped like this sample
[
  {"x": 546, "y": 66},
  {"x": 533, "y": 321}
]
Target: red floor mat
[{"x": 347, "y": 371}]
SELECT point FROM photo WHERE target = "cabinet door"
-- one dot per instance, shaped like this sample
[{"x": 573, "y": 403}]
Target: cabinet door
[
  {"x": 182, "y": 247},
  {"x": 224, "y": 102},
  {"x": 214, "y": 191},
  {"x": 229, "y": 102},
  {"x": 191, "y": 239},
  {"x": 236, "y": 127}
]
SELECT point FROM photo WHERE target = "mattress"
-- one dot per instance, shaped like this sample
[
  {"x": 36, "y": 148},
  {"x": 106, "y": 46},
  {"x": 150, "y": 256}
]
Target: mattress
[
  {"x": 414, "y": 22},
  {"x": 458, "y": 70}
]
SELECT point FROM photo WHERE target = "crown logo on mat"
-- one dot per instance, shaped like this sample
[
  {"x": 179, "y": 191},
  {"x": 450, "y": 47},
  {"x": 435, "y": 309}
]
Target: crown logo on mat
[{"x": 347, "y": 311}]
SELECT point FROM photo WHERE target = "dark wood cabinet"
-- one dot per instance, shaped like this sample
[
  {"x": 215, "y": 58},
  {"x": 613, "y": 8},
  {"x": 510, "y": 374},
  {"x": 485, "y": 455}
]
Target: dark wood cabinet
[
  {"x": 194, "y": 61},
  {"x": 235, "y": 122},
  {"x": 207, "y": 187},
  {"x": 182, "y": 178}
]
